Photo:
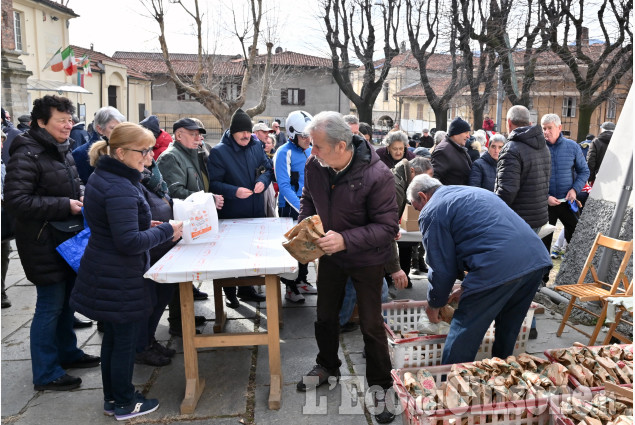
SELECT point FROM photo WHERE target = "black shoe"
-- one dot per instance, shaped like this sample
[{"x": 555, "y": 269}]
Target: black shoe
[
  {"x": 533, "y": 333},
  {"x": 348, "y": 327},
  {"x": 409, "y": 286},
  {"x": 5, "y": 301},
  {"x": 232, "y": 302},
  {"x": 81, "y": 323},
  {"x": 151, "y": 358},
  {"x": 386, "y": 416},
  {"x": 83, "y": 362},
  {"x": 321, "y": 373},
  {"x": 162, "y": 349},
  {"x": 199, "y": 320},
  {"x": 100, "y": 326},
  {"x": 64, "y": 383},
  {"x": 177, "y": 331},
  {"x": 252, "y": 296},
  {"x": 198, "y": 294}
]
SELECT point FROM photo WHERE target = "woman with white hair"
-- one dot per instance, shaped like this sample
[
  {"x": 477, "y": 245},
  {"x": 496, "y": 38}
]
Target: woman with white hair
[{"x": 395, "y": 149}]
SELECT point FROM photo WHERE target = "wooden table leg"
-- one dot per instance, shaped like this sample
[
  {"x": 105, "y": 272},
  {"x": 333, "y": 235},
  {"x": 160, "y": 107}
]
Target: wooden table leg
[
  {"x": 193, "y": 383},
  {"x": 221, "y": 316},
  {"x": 279, "y": 297},
  {"x": 272, "y": 285}
]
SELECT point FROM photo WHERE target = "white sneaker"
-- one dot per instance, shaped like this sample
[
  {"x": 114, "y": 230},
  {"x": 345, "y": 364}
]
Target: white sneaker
[
  {"x": 293, "y": 297},
  {"x": 306, "y": 288}
]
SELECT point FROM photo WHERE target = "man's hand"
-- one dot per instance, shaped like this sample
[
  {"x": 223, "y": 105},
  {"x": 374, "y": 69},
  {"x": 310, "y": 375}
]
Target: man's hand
[
  {"x": 76, "y": 206},
  {"x": 398, "y": 236},
  {"x": 243, "y": 193},
  {"x": 219, "y": 201},
  {"x": 433, "y": 313},
  {"x": 259, "y": 187},
  {"x": 331, "y": 243},
  {"x": 571, "y": 195},
  {"x": 457, "y": 291},
  {"x": 399, "y": 279},
  {"x": 552, "y": 201}
]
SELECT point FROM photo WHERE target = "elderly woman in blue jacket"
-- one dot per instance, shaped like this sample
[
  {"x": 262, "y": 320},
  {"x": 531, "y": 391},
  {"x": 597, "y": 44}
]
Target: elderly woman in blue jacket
[
  {"x": 110, "y": 286},
  {"x": 483, "y": 172}
]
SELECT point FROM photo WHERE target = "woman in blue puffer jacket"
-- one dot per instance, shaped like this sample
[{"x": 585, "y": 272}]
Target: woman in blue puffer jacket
[{"x": 110, "y": 286}]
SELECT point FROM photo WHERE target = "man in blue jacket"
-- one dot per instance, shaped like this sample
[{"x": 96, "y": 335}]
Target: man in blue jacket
[
  {"x": 289, "y": 165},
  {"x": 240, "y": 171},
  {"x": 569, "y": 173},
  {"x": 504, "y": 258}
]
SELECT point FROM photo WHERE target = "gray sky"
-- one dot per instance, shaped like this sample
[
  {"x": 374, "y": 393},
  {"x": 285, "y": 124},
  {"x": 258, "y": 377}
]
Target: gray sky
[{"x": 123, "y": 25}]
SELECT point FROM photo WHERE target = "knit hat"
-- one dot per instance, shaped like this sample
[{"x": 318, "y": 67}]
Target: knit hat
[
  {"x": 240, "y": 122},
  {"x": 608, "y": 126},
  {"x": 458, "y": 126}
]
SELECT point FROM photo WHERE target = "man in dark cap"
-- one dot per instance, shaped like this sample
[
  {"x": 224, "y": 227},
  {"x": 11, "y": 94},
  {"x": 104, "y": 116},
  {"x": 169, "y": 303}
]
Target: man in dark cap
[
  {"x": 24, "y": 122},
  {"x": 450, "y": 160},
  {"x": 240, "y": 171}
]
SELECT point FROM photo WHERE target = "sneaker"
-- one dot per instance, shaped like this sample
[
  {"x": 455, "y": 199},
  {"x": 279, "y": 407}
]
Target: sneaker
[
  {"x": 140, "y": 406},
  {"x": 162, "y": 349},
  {"x": 294, "y": 296},
  {"x": 306, "y": 288},
  {"x": 321, "y": 373},
  {"x": 232, "y": 302},
  {"x": 83, "y": 362},
  {"x": 152, "y": 358},
  {"x": 198, "y": 294},
  {"x": 533, "y": 333},
  {"x": 109, "y": 408},
  {"x": 5, "y": 301},
  {"x": 63, "y": 383},
  {"x": 555, "y": 255},
  {"x": 385, "y": 416}
]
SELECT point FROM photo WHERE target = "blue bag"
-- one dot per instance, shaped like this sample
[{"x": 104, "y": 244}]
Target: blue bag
[{"x": 73, "y": 249}]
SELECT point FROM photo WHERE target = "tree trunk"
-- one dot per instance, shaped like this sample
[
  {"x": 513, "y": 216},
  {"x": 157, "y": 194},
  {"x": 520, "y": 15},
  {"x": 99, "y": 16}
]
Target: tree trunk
[
  {"x": 365, "y": 112},
  {"x": 441, "y": 117},
  {"x": 478, "y": 118},
  {"x": 584, "y": 120}
]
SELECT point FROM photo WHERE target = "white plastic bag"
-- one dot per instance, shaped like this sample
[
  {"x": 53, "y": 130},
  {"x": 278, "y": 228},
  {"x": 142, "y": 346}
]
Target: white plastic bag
[
  {"x": 199, "y": 216},
  {"x": 426, "y": 327}
]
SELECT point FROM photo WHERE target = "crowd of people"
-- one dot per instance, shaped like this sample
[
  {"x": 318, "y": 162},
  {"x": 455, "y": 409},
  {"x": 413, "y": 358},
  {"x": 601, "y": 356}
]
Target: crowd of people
[{"x": 119, "y": 180}]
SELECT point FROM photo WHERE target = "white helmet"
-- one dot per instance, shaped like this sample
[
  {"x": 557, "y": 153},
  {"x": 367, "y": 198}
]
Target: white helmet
[{"x": 297, "y": 122}]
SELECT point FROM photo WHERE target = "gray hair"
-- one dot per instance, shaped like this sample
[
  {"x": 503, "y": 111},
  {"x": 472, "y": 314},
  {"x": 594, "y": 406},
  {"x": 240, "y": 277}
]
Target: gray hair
[
  {"x": 497, "y": 138},
  {"x": 395, "y": 136},
  {"x": 351, "y": 119},
  {"x": 334, "y": 127},
  {"x": 422, "y": 183},
  {"x": 438, "y": 136},
  {"x": 519, "y": 116},
  {"x": 107, "y": 114},
  {"x": 480, "y": 137},
  {"x": 420, "y": 165},
  {"x": 550, "y": 118}
]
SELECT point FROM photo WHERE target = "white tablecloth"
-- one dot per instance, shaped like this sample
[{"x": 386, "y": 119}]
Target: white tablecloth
[{"x": 242, "y": 247}]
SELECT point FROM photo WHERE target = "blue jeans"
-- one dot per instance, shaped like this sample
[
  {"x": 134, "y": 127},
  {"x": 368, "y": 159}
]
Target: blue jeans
[
  {"x": 350, "y": 298},
  {"x": 117, "y": 361},
  {"x": 53, "y": 339},
  {"x": 506, "y": 304}
]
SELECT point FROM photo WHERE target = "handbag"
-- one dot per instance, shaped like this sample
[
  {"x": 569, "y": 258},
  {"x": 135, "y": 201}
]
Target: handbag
[
  {"x": 73, "y": 248},
  {"x": 65, "y": 229}
]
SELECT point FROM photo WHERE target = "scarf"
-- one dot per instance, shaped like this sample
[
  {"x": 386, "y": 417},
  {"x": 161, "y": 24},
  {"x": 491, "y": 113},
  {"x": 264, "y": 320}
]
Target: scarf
[{"x": 153, "y": 181}]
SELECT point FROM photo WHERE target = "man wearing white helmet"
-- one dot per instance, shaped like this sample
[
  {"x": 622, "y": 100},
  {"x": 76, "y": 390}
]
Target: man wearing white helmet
[{"x": 289, "y": 169}]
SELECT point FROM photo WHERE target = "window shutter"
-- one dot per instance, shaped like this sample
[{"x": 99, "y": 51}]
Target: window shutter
[
  {"x": 573, "y": 106},
  {"x": 301, "y": 95},
  {"x": 284, "y": 99},
  {"x": 564, "y": 106},
  {"x": 406, "y": 111}
]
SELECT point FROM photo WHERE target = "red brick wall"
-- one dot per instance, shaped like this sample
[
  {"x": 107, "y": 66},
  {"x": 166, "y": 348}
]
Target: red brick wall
[{"x": 8, "y": 38}]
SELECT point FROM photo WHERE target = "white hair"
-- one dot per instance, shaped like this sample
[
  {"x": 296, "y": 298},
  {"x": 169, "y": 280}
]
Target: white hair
[
  {"x": 550, "y": 118},
  {"x": 422, "y": 183}
]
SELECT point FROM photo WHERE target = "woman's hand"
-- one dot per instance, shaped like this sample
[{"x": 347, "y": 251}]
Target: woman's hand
[
  {"x": 177, "y": 227},
  {"x": 219, "y": 201},
  {"x": 76, "y": 206}
]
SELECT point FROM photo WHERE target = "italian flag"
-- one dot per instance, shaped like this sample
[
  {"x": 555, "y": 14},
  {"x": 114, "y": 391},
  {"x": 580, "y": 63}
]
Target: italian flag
[{"x": 63, "y": 60}]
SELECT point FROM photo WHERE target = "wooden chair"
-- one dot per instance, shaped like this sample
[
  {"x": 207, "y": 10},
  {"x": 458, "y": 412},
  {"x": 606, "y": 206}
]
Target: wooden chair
[
  {"x": 597, "y": 290},
  {"x": 618, "y": 317}
]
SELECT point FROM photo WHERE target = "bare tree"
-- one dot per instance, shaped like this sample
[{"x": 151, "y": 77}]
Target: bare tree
[
  {"x": 481, "y": 74},
  {"x": 425, "y": 32},
  {"x": 204, "y": 85},
  {"x": 596, "y": 69},
  {"x": 350, "y": 26}
]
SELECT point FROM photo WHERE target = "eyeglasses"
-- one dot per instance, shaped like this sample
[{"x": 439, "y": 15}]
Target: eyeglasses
[{"x": 143, "y": 152}]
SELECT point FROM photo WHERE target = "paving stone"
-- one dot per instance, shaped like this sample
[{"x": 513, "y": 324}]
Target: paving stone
[
  {"x": 226, "y": 373},
  {"x": 297, "y": 322},
  {"x": 17, "y": 345},
  {"x": 17, "y": 386},
  {"x": 22, "y": 299},
  {"x": 12, "y": 323}
]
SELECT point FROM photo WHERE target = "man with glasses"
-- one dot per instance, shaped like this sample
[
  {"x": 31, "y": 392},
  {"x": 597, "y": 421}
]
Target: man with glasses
[{"x": 279, "y": 135}]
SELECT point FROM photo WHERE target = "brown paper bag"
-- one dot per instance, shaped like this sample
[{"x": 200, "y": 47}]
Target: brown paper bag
[{"x": 301, "y": 240}]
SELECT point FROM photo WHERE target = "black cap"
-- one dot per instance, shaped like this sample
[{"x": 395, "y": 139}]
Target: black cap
[
  {"x": 240, "y": 122},
  {"x": 188, "y": 124},
  {"x": 458, "y": 126}
]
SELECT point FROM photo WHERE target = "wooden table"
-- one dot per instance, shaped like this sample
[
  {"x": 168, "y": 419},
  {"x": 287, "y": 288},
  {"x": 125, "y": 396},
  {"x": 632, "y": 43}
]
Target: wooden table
[{"x": 244, "y": 252}]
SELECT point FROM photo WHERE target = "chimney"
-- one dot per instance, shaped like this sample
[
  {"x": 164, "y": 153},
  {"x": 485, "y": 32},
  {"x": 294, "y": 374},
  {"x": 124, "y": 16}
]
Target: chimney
[{"x": 585, "y": 36}]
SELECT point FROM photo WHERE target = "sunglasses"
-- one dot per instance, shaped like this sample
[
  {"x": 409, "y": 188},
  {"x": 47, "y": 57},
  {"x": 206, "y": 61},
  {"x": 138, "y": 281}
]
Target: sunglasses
[{"x": 143, "y": 152}]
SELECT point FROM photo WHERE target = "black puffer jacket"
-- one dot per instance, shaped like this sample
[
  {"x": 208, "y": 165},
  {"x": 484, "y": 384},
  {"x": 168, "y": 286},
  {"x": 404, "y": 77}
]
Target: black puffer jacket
[
  {"x": 597, "y": 150},
  {"x": 41, "y": 180},
  {"x": 451, "y": 163},
  {"x": 522, "y": 174}
]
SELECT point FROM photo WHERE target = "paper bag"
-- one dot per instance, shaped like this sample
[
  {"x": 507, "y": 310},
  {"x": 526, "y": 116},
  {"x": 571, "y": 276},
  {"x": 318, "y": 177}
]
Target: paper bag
[
  {"x": 301, "y": 239},
  {"x": 199, "y": 217}
]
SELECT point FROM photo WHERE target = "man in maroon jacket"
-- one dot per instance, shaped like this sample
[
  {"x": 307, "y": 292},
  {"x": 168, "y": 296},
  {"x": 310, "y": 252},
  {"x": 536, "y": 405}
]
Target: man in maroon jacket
[{"x": 354, "y": 194}]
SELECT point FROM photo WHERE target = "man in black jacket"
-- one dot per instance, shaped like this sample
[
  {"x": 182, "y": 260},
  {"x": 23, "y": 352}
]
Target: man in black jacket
[
  {"x": 598, "y": 148},
  {"x": 524, "y": 168}
]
